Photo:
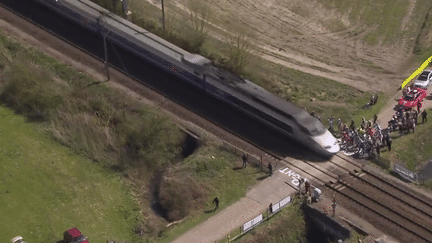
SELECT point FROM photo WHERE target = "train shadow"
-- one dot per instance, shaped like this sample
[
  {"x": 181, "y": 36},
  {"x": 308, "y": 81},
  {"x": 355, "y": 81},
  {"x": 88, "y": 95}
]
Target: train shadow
[
  {"x": 209, "y": 211},
  {"x": 262, "y": 177}
]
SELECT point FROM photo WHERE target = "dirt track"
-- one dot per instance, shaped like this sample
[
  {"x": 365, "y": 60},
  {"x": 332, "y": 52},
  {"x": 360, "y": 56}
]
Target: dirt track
[
  {"x": 303, "y": 43},
  {"x": 286, "y": 35}
]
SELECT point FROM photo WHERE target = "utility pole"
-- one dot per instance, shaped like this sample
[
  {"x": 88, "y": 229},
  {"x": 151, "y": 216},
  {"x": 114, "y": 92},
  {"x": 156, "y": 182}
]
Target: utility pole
[
  {"x": 163, "y": 15},
  {"x": 106, "y": 56},
  {"x": 104, "y": 32}
]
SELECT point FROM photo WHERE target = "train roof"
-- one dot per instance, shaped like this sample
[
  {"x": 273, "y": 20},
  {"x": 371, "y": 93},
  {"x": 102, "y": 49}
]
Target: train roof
[
  {"x": 242, "y": 89},
  {"x": 136, "y": 34},
  {"x": 257, "y": 96}
]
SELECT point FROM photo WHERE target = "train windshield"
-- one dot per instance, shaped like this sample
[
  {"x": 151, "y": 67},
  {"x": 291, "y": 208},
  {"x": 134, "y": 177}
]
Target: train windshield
[
  {"x": 424, "y": 76},
  {"x": 309, "y": 124}
]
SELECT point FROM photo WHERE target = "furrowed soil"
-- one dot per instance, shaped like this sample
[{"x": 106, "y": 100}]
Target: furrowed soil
[{"x": 364, "y": 44}]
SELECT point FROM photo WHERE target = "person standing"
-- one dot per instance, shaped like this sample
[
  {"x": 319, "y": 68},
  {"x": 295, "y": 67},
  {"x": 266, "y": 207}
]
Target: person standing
[
  {"x": 270, "y": 168},
  {"x": 331, "y": 120},
  {"x": 244, "y": 158},
  {"x": 375, "y": 118},
  {"x": 378, "y": 148},
  {"x": 216, "y": 201},
  {"x": 424, "y": 116},
  {"x": 352, "y": 125},
  {"x": 307, "y": 187},
  {"x": 299, "y": 186},
  {"x": 339, "y": 124},
  {"x": 415, "y": 114},
  {"x": 389, "y": 142},
  {"x": 334, "y": 204}
]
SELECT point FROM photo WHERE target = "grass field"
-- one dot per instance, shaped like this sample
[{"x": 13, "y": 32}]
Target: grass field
[
  {"x": 211, "y": 171},
  {"x": 287, "y": 226},
  {"x": 332, "y": 98},
  {"x": 119, "y": 136},
  {"x": 412, "y": 150},
  {"x": 101, "y": 125},
  {"x": 45, "y": 189},
  {"x": 385, "y": 17}
]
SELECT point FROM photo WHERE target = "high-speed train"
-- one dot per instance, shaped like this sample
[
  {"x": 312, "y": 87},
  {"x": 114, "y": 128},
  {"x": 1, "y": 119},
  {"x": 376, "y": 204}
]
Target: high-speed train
[{"x": 239, "y": 93}]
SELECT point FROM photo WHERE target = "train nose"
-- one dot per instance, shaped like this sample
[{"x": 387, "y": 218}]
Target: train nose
[
  {"x": 328, "y": 142},
  {"x": 333, "y": 148}
]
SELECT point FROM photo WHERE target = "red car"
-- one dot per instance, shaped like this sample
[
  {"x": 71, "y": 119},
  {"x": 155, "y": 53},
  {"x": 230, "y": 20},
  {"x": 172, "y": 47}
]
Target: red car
[
  {"x": 412, "y": 98},
  {"x": 73, "y": 235}
]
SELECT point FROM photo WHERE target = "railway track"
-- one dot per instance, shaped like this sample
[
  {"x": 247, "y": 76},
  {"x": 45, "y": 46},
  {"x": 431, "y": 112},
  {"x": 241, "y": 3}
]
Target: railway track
[
  {"x": 402, "y": 214},
  {"x": 390, "y": 208},
  {"x": 396, "y": 211}
]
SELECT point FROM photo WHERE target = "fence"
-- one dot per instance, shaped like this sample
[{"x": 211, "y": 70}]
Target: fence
[
  {"x": 270, "y": 212},
  {"x": 260, "y": 162}
]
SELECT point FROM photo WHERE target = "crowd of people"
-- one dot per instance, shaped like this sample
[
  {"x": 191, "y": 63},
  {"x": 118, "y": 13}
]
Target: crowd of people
[
  {"x": 367, "y": 138},
  {"x": 405, "y": 120}
]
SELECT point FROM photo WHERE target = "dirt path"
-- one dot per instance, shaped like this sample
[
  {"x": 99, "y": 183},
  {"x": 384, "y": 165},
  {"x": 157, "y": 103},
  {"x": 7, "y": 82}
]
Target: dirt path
[
  {"x": 388, "y": 111},
  {"x": 286, "y": 37},
  {"x": 293, "y": 33}
]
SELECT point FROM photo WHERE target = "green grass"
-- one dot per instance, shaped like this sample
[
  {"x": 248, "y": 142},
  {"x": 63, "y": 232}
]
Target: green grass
[
  {"x": 287, "y": 83},
  {"x": 386, "y": 15},
  {"x": 411, "y": 150},
  {"x": 331, "y": 98},
  {"x": 120, "y": 122},
  {"x": 45, "y": 189},
  {"x": 423, "y": 48},
  {"x": 117, "y": 134},
  {"x": 211, "y": 177},
  {"x": 287, "y": 226}
]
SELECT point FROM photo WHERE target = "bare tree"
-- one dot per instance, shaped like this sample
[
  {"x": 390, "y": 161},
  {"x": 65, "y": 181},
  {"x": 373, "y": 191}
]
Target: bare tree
[
  {"x": 171, "y": 23},
  {"x": 199, "y": 15},
  {"x": 114, "y": 5},
  {"x": 240, "y": 51}
]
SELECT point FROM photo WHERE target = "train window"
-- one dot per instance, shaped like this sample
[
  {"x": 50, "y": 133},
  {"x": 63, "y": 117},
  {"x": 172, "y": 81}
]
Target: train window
[
  {"x": 272, "y": 107},
  {"x": 305, "y": 130}
]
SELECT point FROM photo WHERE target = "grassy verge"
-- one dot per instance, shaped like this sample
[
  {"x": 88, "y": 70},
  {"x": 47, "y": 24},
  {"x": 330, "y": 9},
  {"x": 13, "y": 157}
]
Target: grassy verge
[
  {"x": 423, "y": 48},
  {"x": 47, "y": 189},
  {"x": 122, "y": 137},
  {"x": 323, "y": 96},
  {"x": 287, "y": 226},
  {"x": 332, "y": 98},
  {"x": 386, "y": 16},
  {"x": 411, "y": 150},
  {"x": 211, "y": 171}
]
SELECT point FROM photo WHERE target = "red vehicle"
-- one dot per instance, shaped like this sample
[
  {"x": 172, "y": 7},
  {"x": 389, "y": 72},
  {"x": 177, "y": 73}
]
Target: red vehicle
[
  {"x": 412, "y": 98},
  {"x": 73, "y": 235}
]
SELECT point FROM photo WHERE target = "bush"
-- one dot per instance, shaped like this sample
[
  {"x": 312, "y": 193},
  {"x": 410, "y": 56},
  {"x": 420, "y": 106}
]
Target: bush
[
  {"x": 31, "y": 91},
  {"x": 179, "y": 196},
  {"x": 153, "y": 141},
  {"x": 3, "y": 57}
]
